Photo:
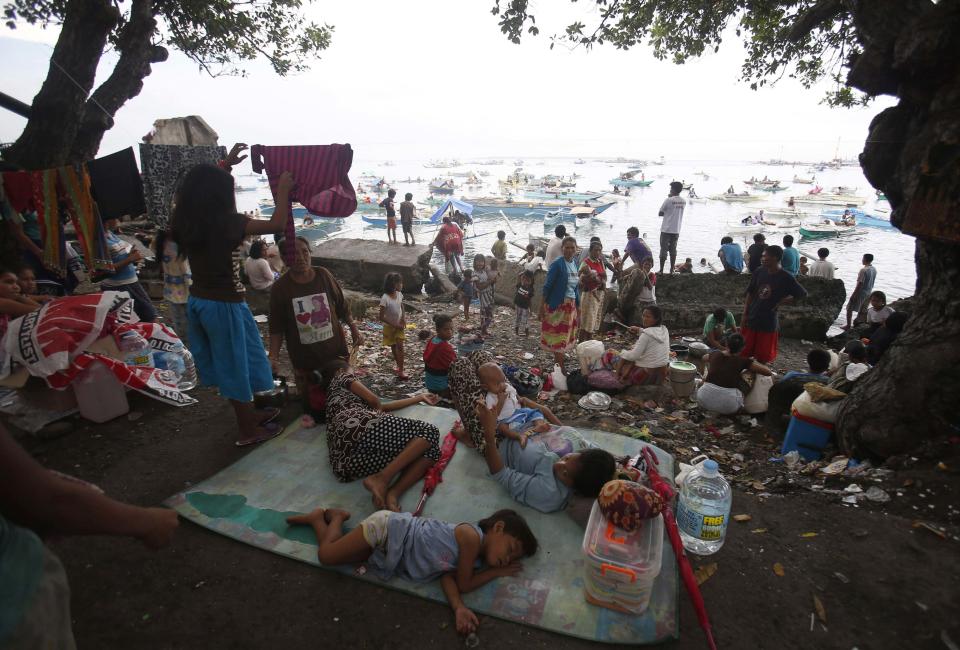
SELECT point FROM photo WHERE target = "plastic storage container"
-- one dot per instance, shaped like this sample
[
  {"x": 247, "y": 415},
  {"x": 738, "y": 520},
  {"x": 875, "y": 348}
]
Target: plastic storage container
[
  {"x": 619, "y": 567},
  {"x": 703, "y": 509},
  {"x": 807, "y": 435},
  {"x": 100, "y": 395}
]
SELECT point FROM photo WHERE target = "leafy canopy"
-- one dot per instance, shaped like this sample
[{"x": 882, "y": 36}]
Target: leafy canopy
[
  {"x": 218, "y": 35},
  {"x": 808, "y": 40}
]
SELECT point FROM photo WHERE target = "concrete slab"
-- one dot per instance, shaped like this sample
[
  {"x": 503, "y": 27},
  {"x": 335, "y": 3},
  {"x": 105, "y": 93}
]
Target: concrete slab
[{"x": 363, "y": 263}]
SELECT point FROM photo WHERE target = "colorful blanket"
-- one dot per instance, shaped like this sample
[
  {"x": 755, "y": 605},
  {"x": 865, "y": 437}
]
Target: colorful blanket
[{"x": 249, "y": 501}]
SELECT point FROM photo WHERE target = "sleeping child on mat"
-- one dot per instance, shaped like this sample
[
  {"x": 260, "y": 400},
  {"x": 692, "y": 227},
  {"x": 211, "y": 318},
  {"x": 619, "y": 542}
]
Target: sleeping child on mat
[
  {"x": 517, "y": 417},
  {"x": 421, "y": 549}
]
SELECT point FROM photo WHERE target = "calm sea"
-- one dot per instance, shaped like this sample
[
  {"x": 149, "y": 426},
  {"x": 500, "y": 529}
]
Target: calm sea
[{"x": 704, "y": 222}]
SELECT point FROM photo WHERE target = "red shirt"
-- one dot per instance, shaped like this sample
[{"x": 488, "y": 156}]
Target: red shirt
[{"x": 438, "y": 355}]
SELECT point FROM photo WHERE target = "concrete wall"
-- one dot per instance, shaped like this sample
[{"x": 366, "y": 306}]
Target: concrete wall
[{"x": 687, "y": 299}]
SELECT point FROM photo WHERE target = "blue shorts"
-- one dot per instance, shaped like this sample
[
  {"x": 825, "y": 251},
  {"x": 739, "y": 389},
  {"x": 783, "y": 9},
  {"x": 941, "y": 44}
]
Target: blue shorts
[
  {"x": 227, "y": 348},
  {"x": 523, "y": 419}
]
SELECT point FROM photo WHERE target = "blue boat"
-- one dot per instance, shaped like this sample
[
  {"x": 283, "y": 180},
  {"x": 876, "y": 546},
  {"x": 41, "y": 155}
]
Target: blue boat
[
  {"x": 629, "y": 182},
  {"x": 521, "y": 209},
  {"x": 381, "y": 221},
  {"x": 863, "y": 218},
  {"x": 562, "y": 196}
]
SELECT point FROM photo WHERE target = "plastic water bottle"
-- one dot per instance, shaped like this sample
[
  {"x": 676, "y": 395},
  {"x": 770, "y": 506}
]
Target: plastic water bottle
[
  {"x": 188, "y": 379},
  {"x": 136, "y": 349},
  {"x": 703, "y": 509}
]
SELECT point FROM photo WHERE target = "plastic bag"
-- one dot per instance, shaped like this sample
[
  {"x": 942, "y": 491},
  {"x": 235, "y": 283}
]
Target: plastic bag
[
  {"x": 559, "y": 379},
  {"x": 589, "y": 353},
  {"x": 757, "y": 399}
]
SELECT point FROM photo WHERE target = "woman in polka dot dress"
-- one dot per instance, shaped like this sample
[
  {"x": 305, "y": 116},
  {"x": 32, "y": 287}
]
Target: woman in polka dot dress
[{"x": 364, "y": 441}]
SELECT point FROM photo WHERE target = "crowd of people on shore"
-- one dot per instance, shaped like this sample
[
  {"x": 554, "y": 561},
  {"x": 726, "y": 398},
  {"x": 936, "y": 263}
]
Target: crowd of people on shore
[{"x": 201, "y": 256}]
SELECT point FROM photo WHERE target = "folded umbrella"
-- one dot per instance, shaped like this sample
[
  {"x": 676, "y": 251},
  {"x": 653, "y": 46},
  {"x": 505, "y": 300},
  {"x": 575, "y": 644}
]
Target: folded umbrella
[
  {"x": 435, "y": 474},
  {"x": 666, "y": 492}
]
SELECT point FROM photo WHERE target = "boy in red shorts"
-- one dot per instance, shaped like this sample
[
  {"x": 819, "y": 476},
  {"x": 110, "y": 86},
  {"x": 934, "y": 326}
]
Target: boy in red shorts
[{"x": 770, "y": 287}]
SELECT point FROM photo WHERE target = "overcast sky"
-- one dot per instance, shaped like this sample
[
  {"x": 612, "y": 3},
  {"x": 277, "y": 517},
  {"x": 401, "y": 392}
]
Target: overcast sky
[{"x": 433, "y": 78}]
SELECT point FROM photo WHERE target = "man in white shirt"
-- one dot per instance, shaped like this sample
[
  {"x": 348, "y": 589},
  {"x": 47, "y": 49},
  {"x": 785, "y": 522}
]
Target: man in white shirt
[
  {"x": 555, "y": 247},
  {"x": 672, "y": 213},
  {"x": 822, "y": 268}
]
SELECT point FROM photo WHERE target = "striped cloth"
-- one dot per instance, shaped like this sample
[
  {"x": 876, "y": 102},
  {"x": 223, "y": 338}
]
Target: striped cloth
[{"x": 323, "y": 186}]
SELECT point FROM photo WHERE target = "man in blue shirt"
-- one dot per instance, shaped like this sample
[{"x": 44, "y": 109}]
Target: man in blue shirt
[
  {"x": 731, "y": 256},
  {"x": 537, "y": 477},
  {"x": 791, "y": 257}
]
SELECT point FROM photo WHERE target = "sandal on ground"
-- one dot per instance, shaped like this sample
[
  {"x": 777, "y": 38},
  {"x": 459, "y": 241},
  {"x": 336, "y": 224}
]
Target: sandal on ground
[
  {"x": 272, "y": 431},
  {"x": 272, "y": 414}
]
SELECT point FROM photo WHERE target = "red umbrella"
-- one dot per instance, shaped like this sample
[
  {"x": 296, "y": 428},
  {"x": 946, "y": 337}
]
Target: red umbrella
[
  {"x": 435, "y": 474},
  {"x": 666, "y": 492}
]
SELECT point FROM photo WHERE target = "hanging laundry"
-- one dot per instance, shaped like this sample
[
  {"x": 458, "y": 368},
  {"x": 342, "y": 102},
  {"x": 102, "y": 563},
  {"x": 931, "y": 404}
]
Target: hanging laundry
[
  {"x": 163, "y": 165},
  {"x": 323, "y": 186},
  {"x": 116, "y": 185},
  {"x": 75, "y": 190}
]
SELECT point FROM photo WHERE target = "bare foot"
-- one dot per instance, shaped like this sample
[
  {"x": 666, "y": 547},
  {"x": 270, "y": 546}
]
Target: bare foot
[
  {"x": 334, "y": 514},
  {"x": 461, "y": 435},
  {"x": 309, "y": 518},
  {"x": 393, "y": 501},
  {"x": 377, "y": 486}
]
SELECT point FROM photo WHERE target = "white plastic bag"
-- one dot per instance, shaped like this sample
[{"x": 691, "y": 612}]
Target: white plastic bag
[
  {"x": 559, "y": 379},
  {"x": 589, "y": 354},
  {"x": 757, "y": 400}
]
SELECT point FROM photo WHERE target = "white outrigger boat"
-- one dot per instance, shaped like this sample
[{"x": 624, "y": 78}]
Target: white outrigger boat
[{"x": 736, "y": 197}]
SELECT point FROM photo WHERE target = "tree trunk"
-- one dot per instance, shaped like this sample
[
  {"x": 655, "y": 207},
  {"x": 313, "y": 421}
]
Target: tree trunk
[
  {"x": 913, "y": 155},
  {"x": 137, "y": 52},
  {"x": 55, "y": 116}
]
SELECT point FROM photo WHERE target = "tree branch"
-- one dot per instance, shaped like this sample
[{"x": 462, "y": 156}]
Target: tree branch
[
  {"x": 137, "y": 52},
  {"x": 817, "y": 15}
]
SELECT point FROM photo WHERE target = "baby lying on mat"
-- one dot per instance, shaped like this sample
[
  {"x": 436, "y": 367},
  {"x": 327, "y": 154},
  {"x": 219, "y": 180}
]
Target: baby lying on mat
[{"x": 517, "y": 417}]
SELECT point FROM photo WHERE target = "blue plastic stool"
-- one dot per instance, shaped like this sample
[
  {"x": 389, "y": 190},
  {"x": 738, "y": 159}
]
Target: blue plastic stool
[{"x": 808, "y": 436}]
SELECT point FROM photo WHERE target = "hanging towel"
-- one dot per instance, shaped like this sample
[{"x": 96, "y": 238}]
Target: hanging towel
[
  {"x": 116, "y": 185},
  {"x": 323, "y": 186},
  {"x": 162, "y": 166},
  {"x": 47, "y": 204},
  {"x": 75, "y": 191}
]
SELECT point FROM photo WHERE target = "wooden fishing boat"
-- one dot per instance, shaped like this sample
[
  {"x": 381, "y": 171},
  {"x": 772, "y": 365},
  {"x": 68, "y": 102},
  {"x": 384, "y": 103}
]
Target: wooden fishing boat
[
  {"x": 736, "y": 197},
  {"x": 629, "y": 182},
  {"x": 830, "y": 200},
  {"x": 442, "y": 187},
  {"x": 803, "y": 181},
  {"x": 871, "y": 220},
  {"x": 380, "y": 221},
  {"x": 524, "y": 209},
  {"x": 822, "y": 228},
  {"x": 562, "y": 195}
]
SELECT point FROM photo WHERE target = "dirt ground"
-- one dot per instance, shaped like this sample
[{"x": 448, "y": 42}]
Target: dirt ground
[{"x": 882, "y": 581}]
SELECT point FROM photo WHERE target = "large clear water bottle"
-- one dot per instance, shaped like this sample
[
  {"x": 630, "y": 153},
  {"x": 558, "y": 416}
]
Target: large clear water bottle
[
  {"x": 703, "y": 509},
  {"x": 188, "y": 379}
]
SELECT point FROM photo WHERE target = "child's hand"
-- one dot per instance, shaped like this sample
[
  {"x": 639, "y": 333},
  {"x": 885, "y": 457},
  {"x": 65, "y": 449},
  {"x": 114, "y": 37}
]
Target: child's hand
[
  {"x": 511, "y": 569},
  {"x": 635, "y": 329},
  {"x": 488, "y": 419},
  {"x": 134, "y": 256},
  {"x": 430, "y": 399},
  {"x": 234, "y": 157},
  {"x": 285, "y": 183},
  {"x": 523, "y": 441},
  {"x": 466, "y": 620}
]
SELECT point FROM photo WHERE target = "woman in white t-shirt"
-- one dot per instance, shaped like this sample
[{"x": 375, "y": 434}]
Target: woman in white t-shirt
[{"x": 257, "y": 268}]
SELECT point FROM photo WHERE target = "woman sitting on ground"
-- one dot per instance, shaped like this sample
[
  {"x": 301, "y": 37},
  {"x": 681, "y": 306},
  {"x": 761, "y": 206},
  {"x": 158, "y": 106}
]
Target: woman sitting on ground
[
  {"x": 646, "y": 362},
  {"x": 723, "y": 389},
  {"x": 364, "y": 442},
  {"x": 257, "y": 267}
]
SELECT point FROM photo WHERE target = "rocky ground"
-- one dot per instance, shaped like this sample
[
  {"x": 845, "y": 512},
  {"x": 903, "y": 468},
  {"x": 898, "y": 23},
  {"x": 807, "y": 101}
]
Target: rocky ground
[{"x": 863, "y": 556}]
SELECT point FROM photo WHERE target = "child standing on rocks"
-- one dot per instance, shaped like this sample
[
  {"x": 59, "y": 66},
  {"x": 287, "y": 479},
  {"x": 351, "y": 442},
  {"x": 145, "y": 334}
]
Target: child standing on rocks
[
  {"x": 466, "y": 291},
  {"x": 521, "y": 301},
  {"x": 392, "y": 317},
  {"x": 438, "y": 356},
  {"x": 485, "y": 280}
]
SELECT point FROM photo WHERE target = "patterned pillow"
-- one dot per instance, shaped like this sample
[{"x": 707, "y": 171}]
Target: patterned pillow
[
  {"x": 626, "y": 504},
  {"x": 466, "y": 391}
]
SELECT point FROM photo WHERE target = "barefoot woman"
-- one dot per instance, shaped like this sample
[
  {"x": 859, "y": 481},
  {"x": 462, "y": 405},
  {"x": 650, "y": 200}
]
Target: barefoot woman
[{"x": 366, "y": 442}]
